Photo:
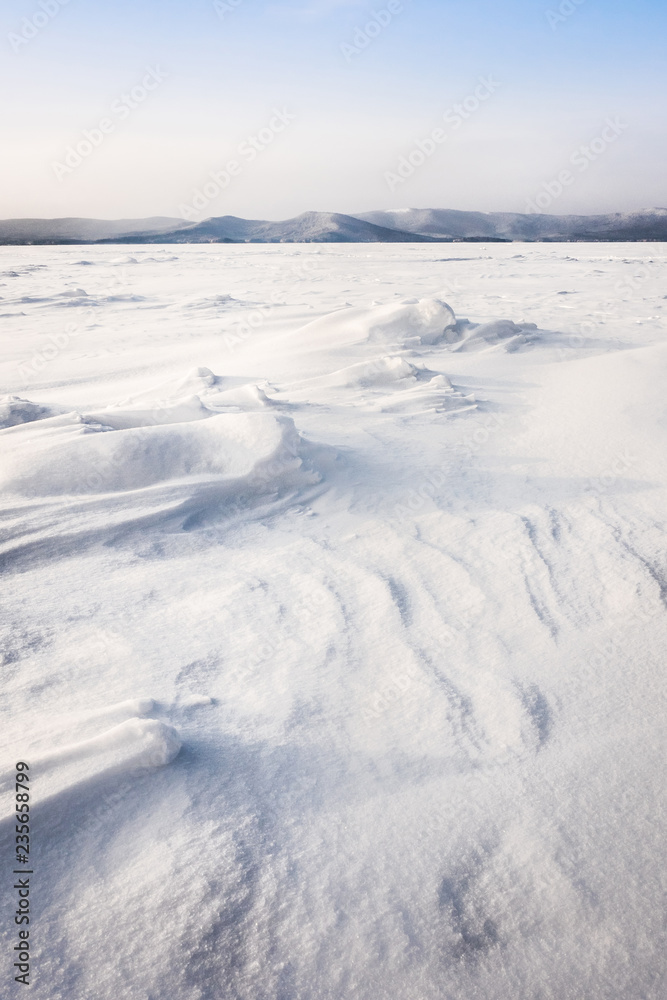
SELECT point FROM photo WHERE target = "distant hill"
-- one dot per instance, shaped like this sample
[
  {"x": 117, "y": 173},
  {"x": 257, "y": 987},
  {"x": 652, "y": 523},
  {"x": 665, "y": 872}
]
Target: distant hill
[
  {"x": 449, "y": 224},
  {"x": 311, "y": 227},
  {"x": 414, "y": 225}
]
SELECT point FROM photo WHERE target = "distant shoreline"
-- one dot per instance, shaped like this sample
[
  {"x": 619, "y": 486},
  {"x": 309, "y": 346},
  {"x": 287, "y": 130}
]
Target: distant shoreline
[{"x": 401, "y": 226}]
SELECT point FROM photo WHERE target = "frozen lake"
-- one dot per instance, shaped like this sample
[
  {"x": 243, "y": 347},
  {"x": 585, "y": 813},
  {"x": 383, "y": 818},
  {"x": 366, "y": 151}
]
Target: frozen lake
[{"x": 335, "y": 619}]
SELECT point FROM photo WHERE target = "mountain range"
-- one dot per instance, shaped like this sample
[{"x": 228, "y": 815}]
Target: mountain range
[{"x": 412, "y": 225}]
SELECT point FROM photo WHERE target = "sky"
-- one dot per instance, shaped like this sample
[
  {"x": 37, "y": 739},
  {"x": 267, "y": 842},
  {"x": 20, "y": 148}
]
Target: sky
[{"x": 198, "y": 108}]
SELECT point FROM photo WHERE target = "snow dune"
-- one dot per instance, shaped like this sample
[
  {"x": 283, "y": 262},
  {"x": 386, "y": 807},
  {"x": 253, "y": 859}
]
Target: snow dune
[
  {"x": 411, "y": 322},
  {"x": 336, "y": 633},
  {"x": 134, "y": 744},
  {"x": 72, "y": 456},
  {"x": 157, "y": 450}
]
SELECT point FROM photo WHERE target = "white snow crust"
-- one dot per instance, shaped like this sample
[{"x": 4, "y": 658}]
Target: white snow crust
[{"x": 335, "y": 619}]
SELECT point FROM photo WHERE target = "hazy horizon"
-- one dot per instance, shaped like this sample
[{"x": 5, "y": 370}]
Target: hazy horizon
[
  {"x": 332, "y": 106},
  {"x": 653, "y": 208}
]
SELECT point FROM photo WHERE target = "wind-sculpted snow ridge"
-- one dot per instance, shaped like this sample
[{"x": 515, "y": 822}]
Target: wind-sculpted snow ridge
[
  {"x": 388, "y": 384},
  {"x": 194, "y": 396},
  {"x": 133, "y": 743},
  {"x": 501, "y": 334},
  {"x": 163, "y": 450},
  {"x": 75, "y": 454},
  {"x": 413, "y": 323},
  {"x": 75, "y": 298},
  {"x": 116, "y": 741},
  {"x": 15, "y": 411}
]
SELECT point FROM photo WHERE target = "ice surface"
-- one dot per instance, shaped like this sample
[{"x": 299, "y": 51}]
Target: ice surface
[{"x": 334, "y": 634}]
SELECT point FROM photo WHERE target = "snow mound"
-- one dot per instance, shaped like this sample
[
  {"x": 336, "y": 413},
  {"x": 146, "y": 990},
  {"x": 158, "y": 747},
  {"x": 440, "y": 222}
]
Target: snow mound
[
  {"x": 437, "y": 395},
  {"x": 244, "y": 397},
  {"x": 70, "y": 298},
  {"x": 121, "y": 418},
  {"x": 388, "y": 384},
  {"x": 195, "y": 396},
  {"x": 132, "y": 748},
  {"x": 422, "y": 321},
  {"x": 376, "y": 372},
  {"x": 213, "y": 302},
  {"x": 411, "y": 323},
  {"x": 501, "y": 333},
  {"x": 196, "y": 382},
  {"x": 241, "y": 449},
  {"x": 15, "y": 411},
  {"x": 142, "y": 743},
  {"x": 121, "y": 298}
]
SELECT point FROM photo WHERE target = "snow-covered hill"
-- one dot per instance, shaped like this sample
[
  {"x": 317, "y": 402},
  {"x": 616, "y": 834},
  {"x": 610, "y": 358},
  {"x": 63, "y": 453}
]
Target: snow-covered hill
[
  {"x": 449, "y": 224},
  {"x": 398, "y": 226},
  {"x": 311, "y": 227}
]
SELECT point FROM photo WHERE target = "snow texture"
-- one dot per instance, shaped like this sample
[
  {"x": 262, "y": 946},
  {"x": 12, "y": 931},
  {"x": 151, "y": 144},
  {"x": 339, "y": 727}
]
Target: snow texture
[{"x": 336, "y": 620}]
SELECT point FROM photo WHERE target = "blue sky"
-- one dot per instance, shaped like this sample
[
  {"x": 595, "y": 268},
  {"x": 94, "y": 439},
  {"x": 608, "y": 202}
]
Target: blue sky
[{"x": 362, "y": 87}]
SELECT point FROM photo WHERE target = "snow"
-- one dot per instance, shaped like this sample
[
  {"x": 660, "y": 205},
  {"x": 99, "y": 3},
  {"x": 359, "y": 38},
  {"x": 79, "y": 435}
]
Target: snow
[
  {"x": 336, "y": 619},
  {"x": 92, "y": 453}
]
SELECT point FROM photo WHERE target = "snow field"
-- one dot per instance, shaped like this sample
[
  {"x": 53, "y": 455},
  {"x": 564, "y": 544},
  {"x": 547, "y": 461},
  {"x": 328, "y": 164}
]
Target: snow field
[{"x": 337, "y": 647}]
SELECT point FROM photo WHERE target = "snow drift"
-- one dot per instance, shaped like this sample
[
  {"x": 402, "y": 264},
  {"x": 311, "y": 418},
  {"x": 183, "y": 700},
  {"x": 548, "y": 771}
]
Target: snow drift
[
  {"x": 162, "y": 434},
  {"x": 408, "y": 323},
  {"x": 412, "y": 324},
  {"x": 72, "y": 456}
]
